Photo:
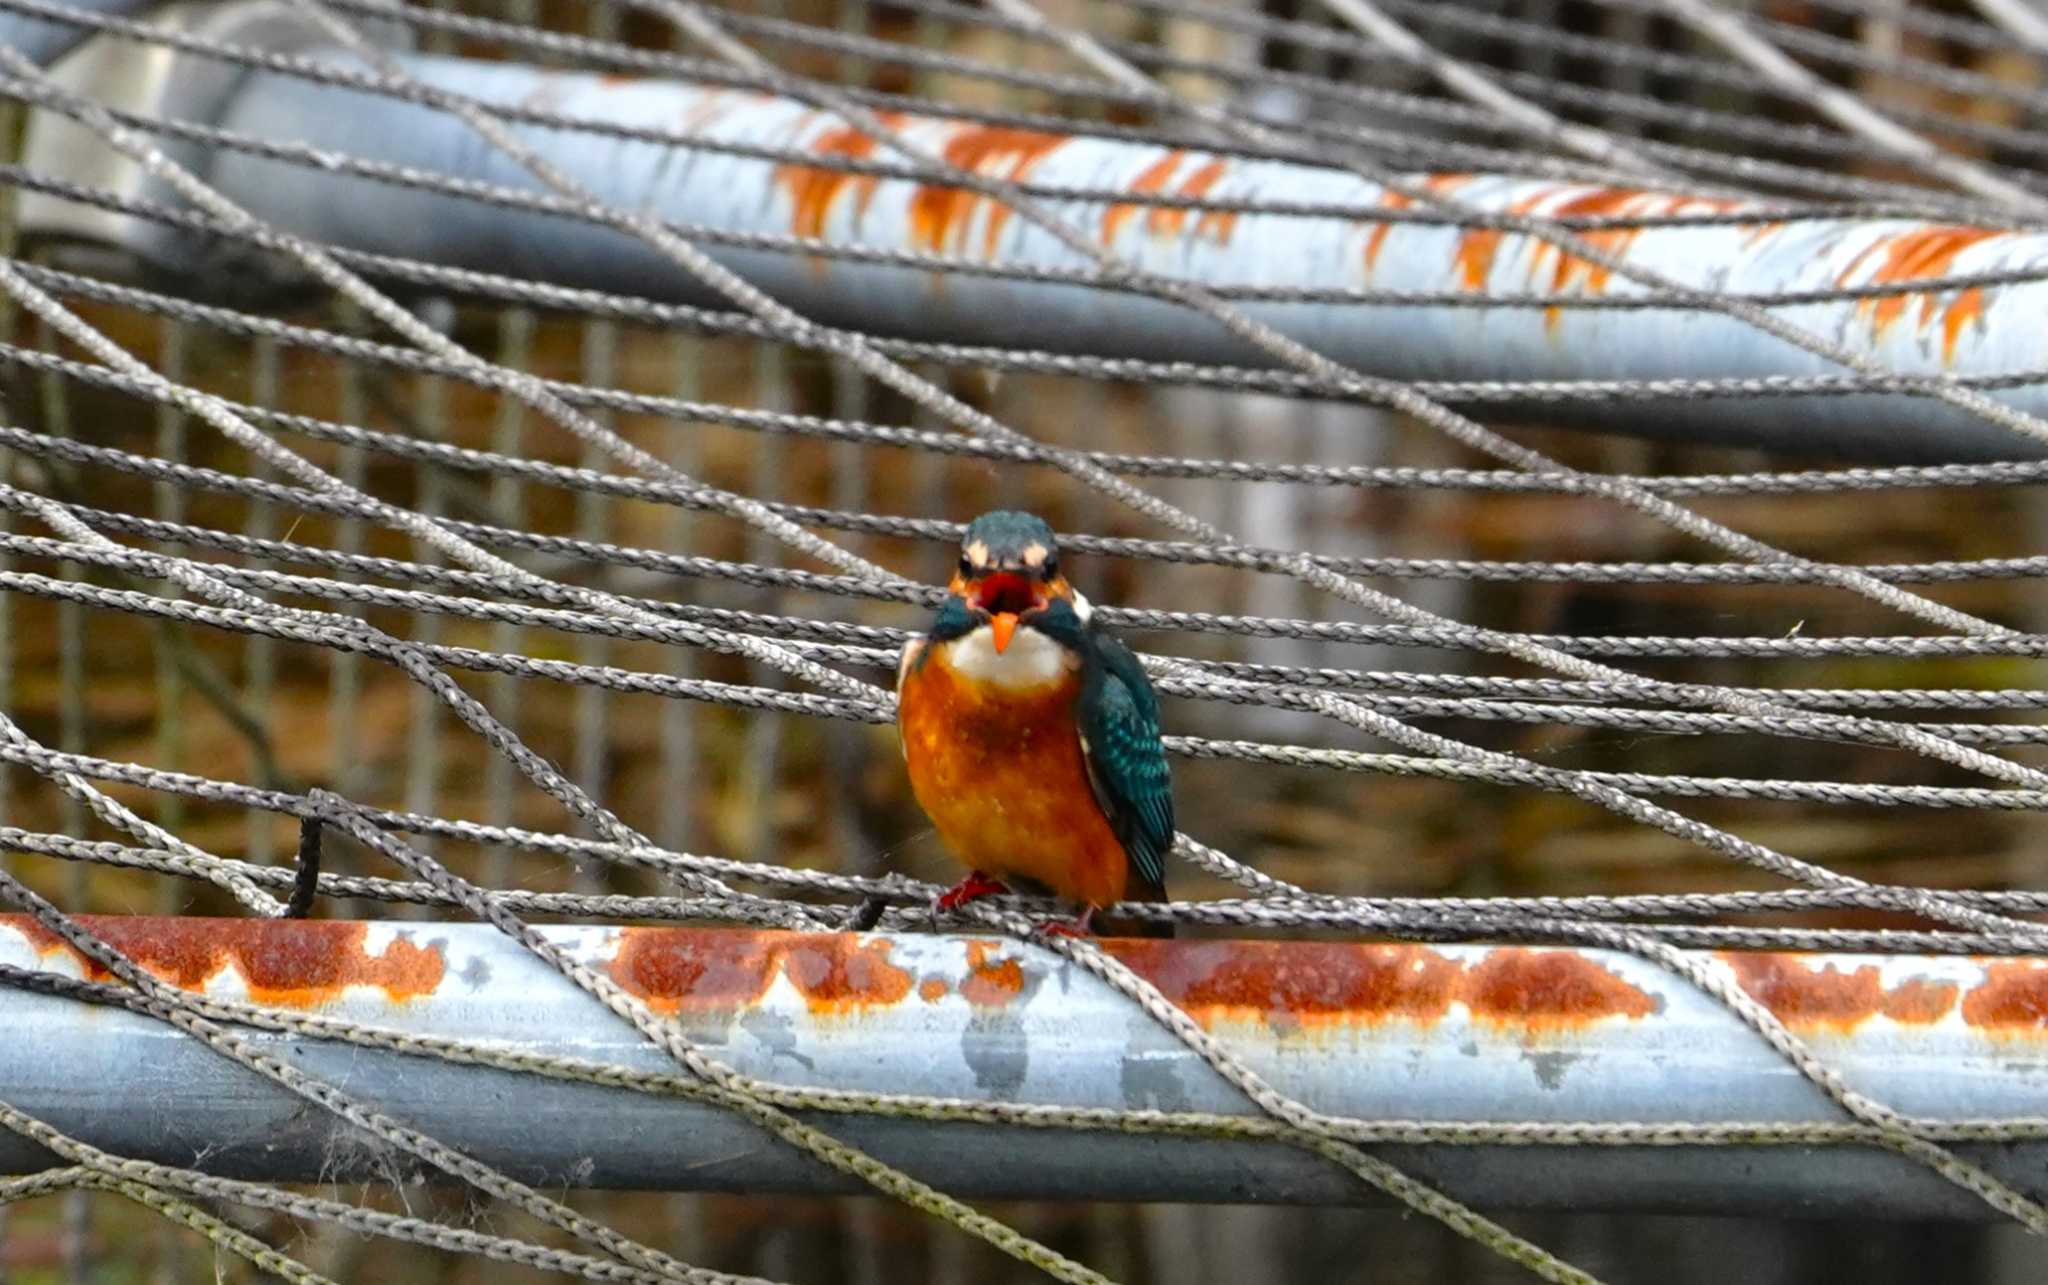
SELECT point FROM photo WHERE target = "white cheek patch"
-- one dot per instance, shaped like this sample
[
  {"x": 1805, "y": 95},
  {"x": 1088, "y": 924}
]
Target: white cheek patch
[
  {"x": 1082, "y": 607},
  {"x": 1032, "y": 659},
  {"x": 911, "y": 651}
]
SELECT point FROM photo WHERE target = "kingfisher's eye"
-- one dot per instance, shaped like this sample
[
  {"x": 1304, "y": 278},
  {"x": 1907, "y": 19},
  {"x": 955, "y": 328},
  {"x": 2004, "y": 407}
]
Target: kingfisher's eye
[
  {"x": 966, "y": 567},
  {"x": 1052, "y": 567}
]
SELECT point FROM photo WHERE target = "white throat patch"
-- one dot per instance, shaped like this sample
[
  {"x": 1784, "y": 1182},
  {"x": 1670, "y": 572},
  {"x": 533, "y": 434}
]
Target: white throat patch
[{"x": 1031, "y": 660}]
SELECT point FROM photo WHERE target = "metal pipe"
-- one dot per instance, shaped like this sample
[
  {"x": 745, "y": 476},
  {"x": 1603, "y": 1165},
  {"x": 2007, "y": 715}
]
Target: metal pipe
[
  {"x": 1377, "y": 1031},
  {"x": 45, "y": 41},
  {"x": 1969, "y": 331}
]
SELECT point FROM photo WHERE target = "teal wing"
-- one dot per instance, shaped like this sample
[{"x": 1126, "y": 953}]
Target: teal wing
[{"x": 1119, "y": 721}]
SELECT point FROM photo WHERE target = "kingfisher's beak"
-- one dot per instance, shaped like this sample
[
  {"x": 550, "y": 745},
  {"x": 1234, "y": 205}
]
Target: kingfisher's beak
[{"x": 1000, "y": 627}]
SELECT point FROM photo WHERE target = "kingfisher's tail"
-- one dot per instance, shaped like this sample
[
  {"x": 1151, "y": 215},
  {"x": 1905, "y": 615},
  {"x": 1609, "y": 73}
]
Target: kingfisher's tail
[{"x": 1139, "y": 890}]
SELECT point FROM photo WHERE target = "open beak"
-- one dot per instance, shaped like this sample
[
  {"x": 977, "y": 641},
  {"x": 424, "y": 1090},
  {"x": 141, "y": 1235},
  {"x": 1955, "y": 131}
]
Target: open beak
[{"x": 1000, "y": 627}]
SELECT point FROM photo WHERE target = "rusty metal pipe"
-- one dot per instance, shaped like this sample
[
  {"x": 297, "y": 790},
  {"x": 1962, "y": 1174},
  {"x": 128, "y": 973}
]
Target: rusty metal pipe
[
  {"x": 1967, "y": 331},
  {"x": 1378, "y": 1031}
]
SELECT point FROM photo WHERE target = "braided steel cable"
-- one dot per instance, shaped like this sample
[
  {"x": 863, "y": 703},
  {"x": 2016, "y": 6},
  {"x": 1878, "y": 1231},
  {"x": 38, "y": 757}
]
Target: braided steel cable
[{"x": 491, "y": 578}]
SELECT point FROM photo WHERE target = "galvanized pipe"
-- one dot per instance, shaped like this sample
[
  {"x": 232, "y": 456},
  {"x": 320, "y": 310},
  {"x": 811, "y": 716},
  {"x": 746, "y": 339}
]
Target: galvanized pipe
[
  {"x": 1970, "y": 331},
  {"x": 1377, "y": 1031},
  {"x": 45, "y": 41}
]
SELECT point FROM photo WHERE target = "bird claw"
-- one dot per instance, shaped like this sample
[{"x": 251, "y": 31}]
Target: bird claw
[
  {"x": 1077, "y": 928},
  {"x": 973, "y": 888}
]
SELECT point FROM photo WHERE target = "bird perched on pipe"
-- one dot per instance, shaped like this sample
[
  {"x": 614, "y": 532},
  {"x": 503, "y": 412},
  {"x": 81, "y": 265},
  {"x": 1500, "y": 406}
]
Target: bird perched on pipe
[{"x": 1032, "y": 738}]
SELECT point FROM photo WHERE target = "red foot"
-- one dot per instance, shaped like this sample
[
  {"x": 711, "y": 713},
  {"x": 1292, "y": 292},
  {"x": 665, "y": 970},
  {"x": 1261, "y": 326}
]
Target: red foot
[
  {"x": 973, "y": 888},
  {"x": 1070, "y": 927}
]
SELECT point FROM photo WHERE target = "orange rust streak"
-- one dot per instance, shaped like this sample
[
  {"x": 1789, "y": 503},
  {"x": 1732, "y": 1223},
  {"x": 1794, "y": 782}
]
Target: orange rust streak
[
  {"x": 1151, "y": 179},
  {"x": 669, "y": 972},
  {"x": 2012, "y": 998},
  {"x": 1477, "y": 246},
  {"x": 296, "y": 964},
  {"x": 1307, "y": 984},
  {"x": 1912, "y": 256},
  {"x": 991, "y": 983},
  {"x": 835, "y": 973},
  {"x": 1968, "y": 307},
  {"x": 677, "y": 969},
  {"x": 812, "y": 190},
  {"x": 932, "y": 989},
  {"x": 1377, "y": 240},
  {"x": 939, "y": 214},
  {"x": 1606, "y": 202},
  {"x": 1804, "y": 996},
  {"x": 1549, "y": 988},
  {"x": 1217, "y": 225}
]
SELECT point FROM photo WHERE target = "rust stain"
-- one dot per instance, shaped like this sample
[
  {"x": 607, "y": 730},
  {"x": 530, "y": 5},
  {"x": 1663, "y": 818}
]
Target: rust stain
[
  {"x": 836, "y": 973},
  {"x": 1911, "y": 256},
  {"x": 1477, "y": 247},
  {"x": 1474, "y": 256},
  {"x": 991, "y": 983},
  {"x": 1606, "y": 202},
  {"x": 812, "y": 190},
  {"x": 1296, "y": 985},
  {"x": 1218, "y": 225},
  {"x": 295, "y": 964},
  {"x": 1804, "y": 996},
  {"x": 1481, "y": 253},
  {"x": 939, "y": 215},
  {"x": 1920, "y": 1001},
  {"x": 678, "y": 969},
  {"x": 1549, "y": 988},
  {"x": 670, "y": 970},
  {"x": 1377, "y": 239},
  {"x": 1761, "y": 233},
  {"x": 1571, "y": 270},
  {"x": 932, "y": 989},
  {"x": 1151, "y": 179},
  {"x": 2012, "y": 998},
  {"x": 1966, "y": 308}
]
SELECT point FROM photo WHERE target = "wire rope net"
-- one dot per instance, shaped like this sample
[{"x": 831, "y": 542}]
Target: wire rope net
[{"x": 468, "y": 470}]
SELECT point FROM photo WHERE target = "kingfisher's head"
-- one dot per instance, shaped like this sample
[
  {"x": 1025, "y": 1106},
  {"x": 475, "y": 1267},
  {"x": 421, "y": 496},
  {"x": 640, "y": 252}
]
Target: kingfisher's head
[{"x": 1009, "y": 572}]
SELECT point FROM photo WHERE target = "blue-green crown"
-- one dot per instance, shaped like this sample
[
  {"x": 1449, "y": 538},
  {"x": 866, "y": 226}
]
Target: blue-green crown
[{"x": 1008, "y": 532}]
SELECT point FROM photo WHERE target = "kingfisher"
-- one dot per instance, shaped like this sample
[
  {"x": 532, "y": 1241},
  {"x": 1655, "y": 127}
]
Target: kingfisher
[{"x": 1032, "y": 737}]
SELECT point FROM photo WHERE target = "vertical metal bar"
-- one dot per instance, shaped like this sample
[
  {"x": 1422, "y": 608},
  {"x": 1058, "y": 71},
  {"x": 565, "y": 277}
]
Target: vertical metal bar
[
  {"x": 1632, "y": 27},
  {"x": 680, "y": 756},
  {"x": 56, "y": 411},
  {"x": 1540, "y": 59},
  {"x": 857, "y": 851},
  {"x": 762, "y": 771},
  {"x": 75, "y": 1243},
  {"x": 952, "y": 1255},
  {"x": 423, "y": 717},
  {"x": 928, "y": 478},
  {"x": 260, "y": 653},
  {"x": 508, "y": 505},
  {"x": 1109, "y": 1240},
  {"x": 170, "y": 683},
  {"x": 1172, "y": 1244},
  {"x": 345, "y": 685},
  {"x": 10, "y": 325},
  {"x": 600, "y": 341},
  {"x": 863, "y": 1219}
]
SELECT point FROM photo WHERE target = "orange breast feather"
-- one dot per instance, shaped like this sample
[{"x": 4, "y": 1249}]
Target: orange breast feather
[{"x": 1000, "y": 773}]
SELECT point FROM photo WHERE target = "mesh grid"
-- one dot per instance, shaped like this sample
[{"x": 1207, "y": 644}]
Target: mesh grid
[{"x": 378, "y": 500}]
